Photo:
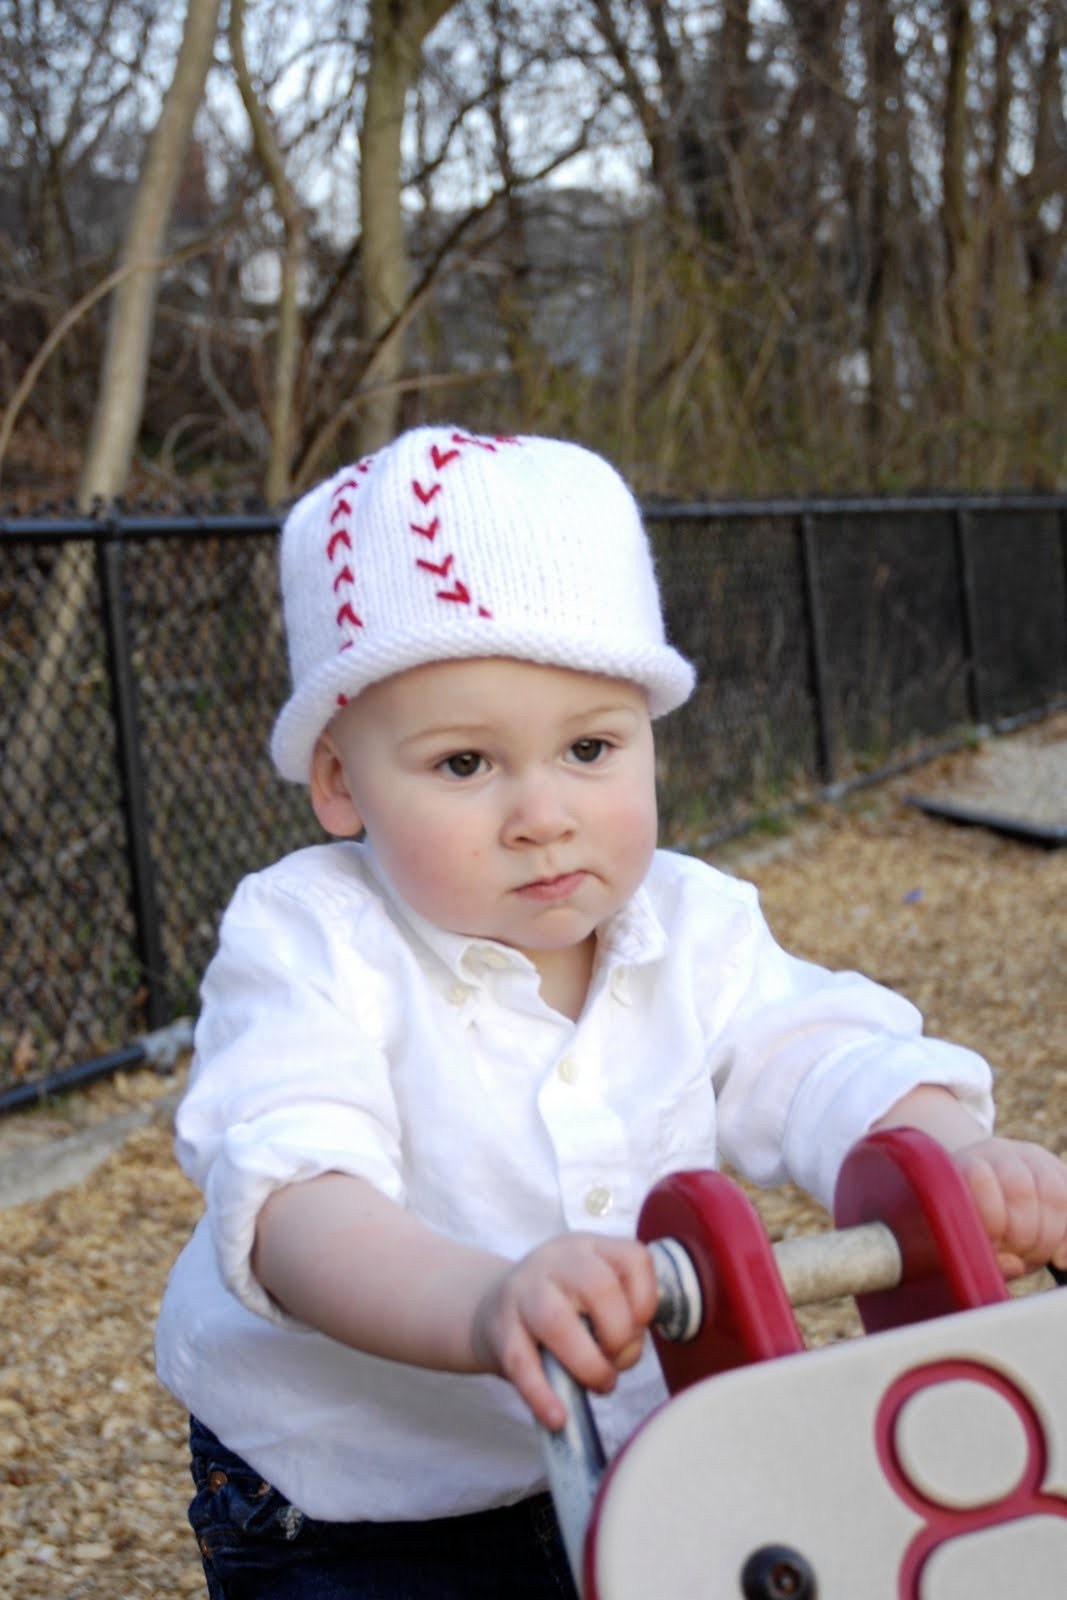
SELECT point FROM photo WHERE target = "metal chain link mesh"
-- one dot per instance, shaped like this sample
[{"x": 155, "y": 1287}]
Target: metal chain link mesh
[{"x": 202, "y": 653}]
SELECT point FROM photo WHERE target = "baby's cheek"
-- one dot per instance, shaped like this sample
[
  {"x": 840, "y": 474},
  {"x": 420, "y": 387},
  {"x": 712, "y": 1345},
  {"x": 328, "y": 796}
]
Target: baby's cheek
[{"x": 442, "y": 878}]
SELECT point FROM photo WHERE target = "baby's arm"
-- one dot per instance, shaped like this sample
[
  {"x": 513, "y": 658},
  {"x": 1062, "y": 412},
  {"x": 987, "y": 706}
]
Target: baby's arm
[
  {"x": 1020, "y": 1189},
  {"x": 346, "y": 1259}
]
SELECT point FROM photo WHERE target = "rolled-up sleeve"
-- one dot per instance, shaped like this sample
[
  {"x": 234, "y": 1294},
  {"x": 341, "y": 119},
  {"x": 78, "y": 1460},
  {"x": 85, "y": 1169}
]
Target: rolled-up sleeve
[
  {"x": 808, "y": 1059},
  {"x": 290, "y": 1078}
]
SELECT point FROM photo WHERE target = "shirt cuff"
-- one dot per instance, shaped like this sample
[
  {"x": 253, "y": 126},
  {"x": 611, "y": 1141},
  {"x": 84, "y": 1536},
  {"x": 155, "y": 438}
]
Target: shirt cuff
[
  {"x": 847, "y": 1093},
  {"x": 274, "y": 1151}
]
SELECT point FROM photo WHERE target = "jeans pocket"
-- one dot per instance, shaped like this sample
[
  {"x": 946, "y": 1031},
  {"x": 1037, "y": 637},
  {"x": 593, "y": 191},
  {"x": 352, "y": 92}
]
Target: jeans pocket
[{"x": 232, "y": 1502}]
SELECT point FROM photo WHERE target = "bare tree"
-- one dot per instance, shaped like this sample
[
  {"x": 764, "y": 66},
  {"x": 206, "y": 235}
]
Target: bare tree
[
  {"x": 66, "y": 109},
  {"x": 121, "y": 392},
  {"x": 294, "y": 250},
  {"x": 813, "y": 245},
  {"x": 398, "y": 29},
  {"x": 118, "y": 412}
]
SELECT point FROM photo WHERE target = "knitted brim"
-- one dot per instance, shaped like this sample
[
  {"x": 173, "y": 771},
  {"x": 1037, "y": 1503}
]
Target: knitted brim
[
  {"x": 666, "y": 677},
  {"x": 449, "y": 546}
]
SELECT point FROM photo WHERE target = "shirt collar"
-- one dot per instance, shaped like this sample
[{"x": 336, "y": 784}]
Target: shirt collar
[{"x": 632, "y": 937}]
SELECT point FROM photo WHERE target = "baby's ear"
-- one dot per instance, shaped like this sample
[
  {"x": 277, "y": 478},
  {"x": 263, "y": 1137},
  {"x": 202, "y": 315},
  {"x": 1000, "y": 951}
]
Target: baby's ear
[{"x": 331, "y": 798}]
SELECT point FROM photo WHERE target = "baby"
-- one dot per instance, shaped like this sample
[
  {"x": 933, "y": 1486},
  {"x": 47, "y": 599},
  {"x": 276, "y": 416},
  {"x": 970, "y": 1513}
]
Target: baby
[{"x": 442, "y": 1059}]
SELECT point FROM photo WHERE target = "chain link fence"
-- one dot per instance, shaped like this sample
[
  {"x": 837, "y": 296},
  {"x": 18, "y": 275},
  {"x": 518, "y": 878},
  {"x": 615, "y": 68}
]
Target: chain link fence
[{"x": 142, "y": 662}]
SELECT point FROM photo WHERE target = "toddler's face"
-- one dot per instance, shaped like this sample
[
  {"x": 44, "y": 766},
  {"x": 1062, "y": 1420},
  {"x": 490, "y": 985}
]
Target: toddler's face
[{"x": 505, "y": 800}]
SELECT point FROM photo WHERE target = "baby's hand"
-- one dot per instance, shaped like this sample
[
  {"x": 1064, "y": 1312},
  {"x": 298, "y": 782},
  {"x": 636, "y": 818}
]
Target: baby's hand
[
  {"x": 1020, "y": 1190},
  {"x": 587, "y": 1299}
]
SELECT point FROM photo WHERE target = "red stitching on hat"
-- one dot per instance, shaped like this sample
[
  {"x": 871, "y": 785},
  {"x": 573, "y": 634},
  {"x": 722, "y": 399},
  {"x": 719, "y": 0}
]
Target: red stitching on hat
[
  {"x": 440, "y": 458},
  {"x": 463, "y": 595},
  {"x": 484, "y": 444},
  {"x": 442, "y": 568},
  {"x": 338, "y": 546}
]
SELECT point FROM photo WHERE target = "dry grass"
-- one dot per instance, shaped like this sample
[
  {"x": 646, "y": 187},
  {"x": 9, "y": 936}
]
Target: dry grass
[{"x": 93, "y": 1479}]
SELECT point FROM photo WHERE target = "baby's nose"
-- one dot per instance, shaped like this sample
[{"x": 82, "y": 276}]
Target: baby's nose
[{"x": 538, "y": 813}]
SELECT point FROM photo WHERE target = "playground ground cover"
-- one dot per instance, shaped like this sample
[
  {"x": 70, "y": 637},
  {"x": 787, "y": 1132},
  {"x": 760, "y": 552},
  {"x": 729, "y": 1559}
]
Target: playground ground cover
[{"x": 966, "y": 921}]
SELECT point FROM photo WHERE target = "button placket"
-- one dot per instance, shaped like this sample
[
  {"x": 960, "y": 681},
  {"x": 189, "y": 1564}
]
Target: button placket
[
  {"x": 598, "y": 1200},
  {"x": 567, "y": 1070},
  {"x": 495, "y": 960}
]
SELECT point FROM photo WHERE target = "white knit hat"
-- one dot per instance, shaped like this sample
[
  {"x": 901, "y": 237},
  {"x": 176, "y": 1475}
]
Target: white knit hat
[{"x": 445, "y": 546}]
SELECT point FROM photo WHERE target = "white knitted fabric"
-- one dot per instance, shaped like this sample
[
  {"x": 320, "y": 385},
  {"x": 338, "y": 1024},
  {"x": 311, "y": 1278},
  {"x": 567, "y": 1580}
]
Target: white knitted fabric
[{"x": 445, "y": 545}]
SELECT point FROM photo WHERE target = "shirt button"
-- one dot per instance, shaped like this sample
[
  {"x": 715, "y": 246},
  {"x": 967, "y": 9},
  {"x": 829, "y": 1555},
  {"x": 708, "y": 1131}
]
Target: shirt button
[
  {"x": 458, "y": 994},
  {"x": 598, "y": 1200},
  {"x": 495, "y": 960},
  {"x": 567, "y": 1070},
  {"x": 620, "y": 985}
]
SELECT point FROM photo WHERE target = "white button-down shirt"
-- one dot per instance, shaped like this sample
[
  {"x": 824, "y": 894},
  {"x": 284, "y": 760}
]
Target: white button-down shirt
[{"x": 341, "y": 1032}]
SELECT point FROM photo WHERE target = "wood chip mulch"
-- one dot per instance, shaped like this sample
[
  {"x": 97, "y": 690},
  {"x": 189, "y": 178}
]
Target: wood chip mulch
[{"x": 93, "y": 1473}]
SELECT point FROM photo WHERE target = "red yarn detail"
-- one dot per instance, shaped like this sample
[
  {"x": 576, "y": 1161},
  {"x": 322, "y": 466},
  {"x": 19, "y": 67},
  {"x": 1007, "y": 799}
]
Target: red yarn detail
[
  {"x": 482, "y": 444},
  {"x": 440, "y": 458},
  {"x": 338, "y": 545},
  {"x": 441, "y": 569},
  {"x": 342, "y": 699}
]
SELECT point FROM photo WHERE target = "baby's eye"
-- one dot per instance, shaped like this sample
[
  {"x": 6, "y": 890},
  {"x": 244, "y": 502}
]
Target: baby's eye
[
  {"x": 464, "y": 764},
  {"x": 588, "y": 750}
]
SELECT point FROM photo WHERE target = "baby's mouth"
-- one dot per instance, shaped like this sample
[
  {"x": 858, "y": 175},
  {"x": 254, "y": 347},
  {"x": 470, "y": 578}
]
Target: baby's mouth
[{"x": 559, "y": 887}]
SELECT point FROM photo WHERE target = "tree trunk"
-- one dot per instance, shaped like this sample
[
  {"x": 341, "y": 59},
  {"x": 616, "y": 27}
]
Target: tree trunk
[
  {"x": 288, "y": 332},
  {"x": 881, "y": 386},
  {"x": 121, "y": 392},
  {"x": 957, "y": 223},
  {"x": 122, "y": 381},
  {"x": 398, "y": 31}
]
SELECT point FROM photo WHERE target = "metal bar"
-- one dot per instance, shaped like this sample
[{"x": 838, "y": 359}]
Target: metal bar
[
  {"x": 224, "y": 524},
  {"x": 160, "y": 1049},
  {"x": 1063, "y": 557},
  {"x": 143, "y": 899},
  {"x": 49, "y": 530},
  {"x": 969, "y": 615},
  {"x": 574, "y": 1461},
  {"x": 821, "y": 685},
  {"x": 824, "y": 1266},
  {"x": 847, "y": 505}
]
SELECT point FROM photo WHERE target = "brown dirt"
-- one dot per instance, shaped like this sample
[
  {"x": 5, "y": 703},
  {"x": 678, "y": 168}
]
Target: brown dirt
[{"x": 93, "y": 1478}]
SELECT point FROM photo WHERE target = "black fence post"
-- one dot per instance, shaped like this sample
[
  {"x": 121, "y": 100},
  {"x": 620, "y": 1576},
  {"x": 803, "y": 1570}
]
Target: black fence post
[
  {"x": 110, "y": 552},
  {"x": 818, "y": 666},
  {"x": 969, "y": 616},
  {"x": 1063, "y": 557}
]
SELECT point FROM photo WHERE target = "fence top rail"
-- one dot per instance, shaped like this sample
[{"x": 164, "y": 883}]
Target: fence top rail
[
  {"x": 49, "y": 527},
  {"x": 142, "y": 525},
  {"x": 848, "y": 505}
]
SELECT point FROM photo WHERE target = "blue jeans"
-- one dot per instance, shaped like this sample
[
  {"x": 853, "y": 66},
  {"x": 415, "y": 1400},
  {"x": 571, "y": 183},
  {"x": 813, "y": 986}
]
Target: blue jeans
[{"x": 256, "y": 1546}]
